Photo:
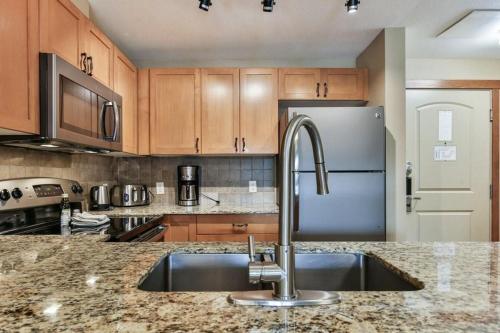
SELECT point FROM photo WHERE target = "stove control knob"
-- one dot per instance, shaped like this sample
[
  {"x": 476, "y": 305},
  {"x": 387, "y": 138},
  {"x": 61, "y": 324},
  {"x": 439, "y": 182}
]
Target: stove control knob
[
  {"x": 79, "y": 189},
  {"x": 74, "y": 188},
  {"x": 17, "y": 193},
  {"x": 4, "y": 195}
]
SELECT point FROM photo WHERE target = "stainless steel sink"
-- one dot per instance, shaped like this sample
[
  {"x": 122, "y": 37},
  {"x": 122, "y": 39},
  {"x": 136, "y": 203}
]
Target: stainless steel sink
[{"x": 229, "y": 272}]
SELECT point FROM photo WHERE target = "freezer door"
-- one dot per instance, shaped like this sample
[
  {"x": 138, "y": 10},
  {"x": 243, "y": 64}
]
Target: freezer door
[
  {"x": 353, "y": 211},
  {"x": 353, "y": 138}
]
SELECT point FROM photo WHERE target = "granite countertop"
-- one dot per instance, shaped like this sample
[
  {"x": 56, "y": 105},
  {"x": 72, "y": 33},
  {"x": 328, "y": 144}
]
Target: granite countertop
[
  {"x": 55, "y": 283},
  {"x": 172, "y": 209}
]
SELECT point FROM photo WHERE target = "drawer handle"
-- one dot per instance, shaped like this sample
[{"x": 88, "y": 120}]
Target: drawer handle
[{"x": 240, "y": 226}]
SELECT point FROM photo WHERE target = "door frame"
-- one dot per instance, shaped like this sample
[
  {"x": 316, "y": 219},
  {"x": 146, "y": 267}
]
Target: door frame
[{"x": 494, "y": 87}]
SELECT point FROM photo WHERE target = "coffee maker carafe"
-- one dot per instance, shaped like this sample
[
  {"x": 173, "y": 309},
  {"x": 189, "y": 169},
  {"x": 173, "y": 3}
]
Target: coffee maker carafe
[{"x": 188, "y": 185}]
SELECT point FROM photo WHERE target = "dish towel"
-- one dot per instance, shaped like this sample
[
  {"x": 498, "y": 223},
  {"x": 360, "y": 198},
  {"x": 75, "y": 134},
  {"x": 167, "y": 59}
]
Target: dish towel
[{"x": 89, "y": 220}]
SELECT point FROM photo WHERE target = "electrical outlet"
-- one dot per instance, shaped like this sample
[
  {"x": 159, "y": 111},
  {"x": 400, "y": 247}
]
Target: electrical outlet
[
  {"x": 160, "y": 188},
  {"x": 252, "y": 186}
]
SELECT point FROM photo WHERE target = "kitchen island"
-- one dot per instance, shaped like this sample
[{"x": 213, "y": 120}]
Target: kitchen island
[{"x": 55, "y": 283}]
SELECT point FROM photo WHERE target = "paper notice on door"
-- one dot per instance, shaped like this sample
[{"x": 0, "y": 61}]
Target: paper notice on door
[
  {"x": 445, "y": 125},
  {"x": 445, "y": 153}
]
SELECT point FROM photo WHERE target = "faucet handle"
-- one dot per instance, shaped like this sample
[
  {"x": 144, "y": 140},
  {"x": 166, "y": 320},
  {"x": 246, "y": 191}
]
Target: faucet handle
[{"x": 251, "y": 248}]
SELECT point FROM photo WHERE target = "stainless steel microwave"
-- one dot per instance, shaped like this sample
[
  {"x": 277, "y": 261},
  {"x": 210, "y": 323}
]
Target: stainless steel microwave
[{"x": 77, "y": 112}]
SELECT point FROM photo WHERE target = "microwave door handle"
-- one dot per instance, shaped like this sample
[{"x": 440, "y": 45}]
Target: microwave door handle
[
  {"x": 104, "y": 110},
  {"x": 117, "y": 121}
]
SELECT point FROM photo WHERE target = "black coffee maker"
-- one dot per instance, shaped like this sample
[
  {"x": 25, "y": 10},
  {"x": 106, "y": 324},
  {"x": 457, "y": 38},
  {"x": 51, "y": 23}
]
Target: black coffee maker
[{"x": 188, "y": 185}]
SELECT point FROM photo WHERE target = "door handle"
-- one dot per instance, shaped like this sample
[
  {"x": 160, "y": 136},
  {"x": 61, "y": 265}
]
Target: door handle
[
  {"x": 317, "y": 89},
  {"x": 116, "y": 113},
  {"x": 326, "y": 90},
  {"x": 244, "y": 144},
  {"x": 104, "y": 110},
  {"x": 197, "y": 145},
  {"x": 83, "y": 62},
  {"x": 90, "y": 64},
  {"x": 236, "y": 144}
]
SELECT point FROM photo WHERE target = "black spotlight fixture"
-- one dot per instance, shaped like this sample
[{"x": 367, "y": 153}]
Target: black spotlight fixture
[
  {"x": 205, "y": 4},
  {"x": 352, "y": 6},
  {"x": 267, "y": 5}
]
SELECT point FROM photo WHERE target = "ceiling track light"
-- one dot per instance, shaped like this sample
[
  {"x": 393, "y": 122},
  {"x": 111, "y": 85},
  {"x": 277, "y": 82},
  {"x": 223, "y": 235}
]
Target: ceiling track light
[
  {"x": 205, "y": 4},
  {"x": 267, "y": 5},
  {"x": 352, "y": 6}
]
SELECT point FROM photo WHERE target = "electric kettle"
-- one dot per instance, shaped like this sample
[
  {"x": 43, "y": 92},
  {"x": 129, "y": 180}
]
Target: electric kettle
[{"x": 99, "y": 197}]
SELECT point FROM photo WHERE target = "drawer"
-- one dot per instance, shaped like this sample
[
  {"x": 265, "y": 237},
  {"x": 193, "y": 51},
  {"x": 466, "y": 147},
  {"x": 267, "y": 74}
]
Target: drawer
[
  {"x": 236, "y": 238},
  {"x": 238, "y": 218},
  {"x": 235, "y": 228}
]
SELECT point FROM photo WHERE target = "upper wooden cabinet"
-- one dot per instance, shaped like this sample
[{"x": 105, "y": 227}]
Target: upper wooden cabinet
[
  {"x": 299, "y": 83},
  {"x": 63, "y": 30},
  {"x": 175, "y": 121},
  {"x": 99, "y": 50},
  {"x": 19, "y": 38},
  {"x": 220, "y": 110},
  {"x": 125, "y": 84},
  {"x": 345, "y": 84},
  {"x": 323, "y": 84},
  {"x": 259, "y": 110}
]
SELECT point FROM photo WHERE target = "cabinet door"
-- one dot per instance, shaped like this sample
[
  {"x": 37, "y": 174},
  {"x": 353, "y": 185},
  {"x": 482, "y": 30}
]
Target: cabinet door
[
  {"x": 62, "y": 30},
  {"x": 259, "y": 110},
  {"x": 220, "y": 110},
  {"x": 180, "y": 228},
  {"x": 344, "y": 84},
  {"x": 19, "y": 38},
  {"x": 125, "y": 84},
  {"x": 99, "y": 49},
  {"x": 299, "y": 83},
  {"x": 175, "y": 111}
]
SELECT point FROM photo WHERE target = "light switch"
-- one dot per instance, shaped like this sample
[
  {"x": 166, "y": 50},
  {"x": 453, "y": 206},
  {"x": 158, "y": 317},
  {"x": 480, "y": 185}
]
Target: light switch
[
  {"x": 252, "y": 186},
  {"x": 160, "y": 188}
]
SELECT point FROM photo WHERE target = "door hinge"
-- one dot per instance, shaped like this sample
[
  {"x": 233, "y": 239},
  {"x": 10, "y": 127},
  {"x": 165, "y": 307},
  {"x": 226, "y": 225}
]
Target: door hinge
[
  {"x": 491, "y": 115},
  {"x": 491, "y": 191}
]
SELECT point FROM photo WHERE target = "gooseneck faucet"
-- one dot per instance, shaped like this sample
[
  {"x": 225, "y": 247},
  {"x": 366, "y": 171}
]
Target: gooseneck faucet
[{"x": 282, "y": 272}]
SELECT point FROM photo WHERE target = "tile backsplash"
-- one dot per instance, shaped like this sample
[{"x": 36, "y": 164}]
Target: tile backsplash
[{"x": 225, "y": 177}]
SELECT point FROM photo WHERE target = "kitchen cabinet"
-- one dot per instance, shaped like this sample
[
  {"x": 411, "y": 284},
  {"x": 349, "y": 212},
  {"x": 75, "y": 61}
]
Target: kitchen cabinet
[
  {"x": 143, "y": 112},
  {"x": 19, "y": 37},
  {"x": 220, "y": 110},
  {"x": 299, "y": 83},
  {"x": 259, "y": 110},
  {"x": 180, "y": 228},
  {"x": 236, "y": 228},
  {"x": 175, "y": 115},
  {"x": 125, "y": 84},
  {"x": 323, "y": 84},
  {"x": 345, "y": 84},
  {"x": 99, "y": 50},
  {"x": 63, "y": 30}
]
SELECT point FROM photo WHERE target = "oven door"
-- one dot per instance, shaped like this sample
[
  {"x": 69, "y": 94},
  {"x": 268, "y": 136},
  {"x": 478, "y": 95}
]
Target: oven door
[
  {"x": 154, "y": 235},
  {"x": 76, "y": 108}
]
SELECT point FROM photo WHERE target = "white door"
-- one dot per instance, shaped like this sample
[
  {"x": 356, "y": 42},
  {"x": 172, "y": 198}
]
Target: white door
[{"x": 448, "y": 142}]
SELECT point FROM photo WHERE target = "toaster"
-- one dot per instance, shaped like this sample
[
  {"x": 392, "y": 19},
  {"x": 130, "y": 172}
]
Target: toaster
[{"x": 130, "y": 195}]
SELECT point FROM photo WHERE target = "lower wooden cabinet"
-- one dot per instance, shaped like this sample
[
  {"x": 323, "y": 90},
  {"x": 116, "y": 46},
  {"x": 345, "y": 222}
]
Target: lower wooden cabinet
[{"x": 221, "y": 228}]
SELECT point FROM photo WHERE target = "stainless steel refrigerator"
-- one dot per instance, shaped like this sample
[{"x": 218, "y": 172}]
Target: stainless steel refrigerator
[{"x": 354, "y": 147}]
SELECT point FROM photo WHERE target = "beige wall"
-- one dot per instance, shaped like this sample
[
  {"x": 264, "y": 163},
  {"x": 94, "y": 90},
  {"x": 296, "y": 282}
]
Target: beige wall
[
  {"x": 453, "y": 69},
  {"x": 385, "y": 60},
  {"x": 83, "y": 5}
]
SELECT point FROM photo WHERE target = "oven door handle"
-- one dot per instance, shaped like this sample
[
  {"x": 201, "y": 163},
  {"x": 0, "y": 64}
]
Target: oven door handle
[{"x": 152, "y": 235}]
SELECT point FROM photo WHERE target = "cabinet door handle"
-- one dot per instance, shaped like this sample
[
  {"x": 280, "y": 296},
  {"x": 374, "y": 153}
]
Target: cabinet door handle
[
  {"x": 90, "y": 66},
  {"x": 317, "y": 89},
  {"x": 83, "y": 62},
  {"x": 236, "y": 144},
  {"x": 197, "y": 145},
  {"x": 244, "y": 145},
  {"x": 326, "y": 90}
]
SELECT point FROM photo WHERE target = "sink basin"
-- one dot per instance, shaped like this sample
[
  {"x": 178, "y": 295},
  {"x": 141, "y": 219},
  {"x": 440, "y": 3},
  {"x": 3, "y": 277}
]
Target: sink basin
[{"x": 315, "y": 271}]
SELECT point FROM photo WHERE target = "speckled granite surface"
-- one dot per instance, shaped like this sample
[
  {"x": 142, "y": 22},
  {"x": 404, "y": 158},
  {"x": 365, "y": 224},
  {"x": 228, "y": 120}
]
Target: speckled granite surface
[
  {"x": 169, "y": 209},
  {"x": 52, "y": 284}
]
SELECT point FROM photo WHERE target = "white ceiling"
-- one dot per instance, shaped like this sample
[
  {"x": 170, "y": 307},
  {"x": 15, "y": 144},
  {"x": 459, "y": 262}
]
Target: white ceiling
[{"x": 298, "y": 32}]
